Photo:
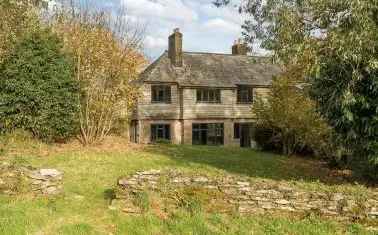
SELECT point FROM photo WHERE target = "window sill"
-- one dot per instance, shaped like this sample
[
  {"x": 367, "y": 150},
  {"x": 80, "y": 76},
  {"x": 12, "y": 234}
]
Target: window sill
[
  {"x": 160, "y": 102},
  {"x": 203, "y": 102},
  {"x": 244, "y": 103}
]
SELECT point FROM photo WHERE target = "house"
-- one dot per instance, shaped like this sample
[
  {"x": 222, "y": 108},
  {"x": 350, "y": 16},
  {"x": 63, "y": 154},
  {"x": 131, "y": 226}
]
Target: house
[{"x": 200, "y": 98}]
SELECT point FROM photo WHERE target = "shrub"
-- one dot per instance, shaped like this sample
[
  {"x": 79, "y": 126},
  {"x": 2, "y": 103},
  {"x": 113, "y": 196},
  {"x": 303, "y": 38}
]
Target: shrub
[
  {"x": 289, "y": 119},
  {"x": 266, "y": 139},
  {"x": 38, "y": 93}
]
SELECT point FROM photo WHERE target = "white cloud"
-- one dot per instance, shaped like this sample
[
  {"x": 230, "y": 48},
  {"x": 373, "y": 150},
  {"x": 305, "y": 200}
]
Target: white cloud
[
  {"x": 226, "y": 13},
  {"x": 205, "y": 27},
  {"x": 155, "y": 42},
  {"x": 221, "y": 25},
  {"x": 174, "y": 10}
]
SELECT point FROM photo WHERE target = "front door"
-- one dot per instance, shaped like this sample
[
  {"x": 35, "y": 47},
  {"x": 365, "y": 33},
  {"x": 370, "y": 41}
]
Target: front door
[{"x": 245, "y": 135}]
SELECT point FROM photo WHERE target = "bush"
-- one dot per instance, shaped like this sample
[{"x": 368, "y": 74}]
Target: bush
[
  {"x": 289, "y": 119},
  {"x": 266, "y": 139},
  {"x": 38, "y": 92}
]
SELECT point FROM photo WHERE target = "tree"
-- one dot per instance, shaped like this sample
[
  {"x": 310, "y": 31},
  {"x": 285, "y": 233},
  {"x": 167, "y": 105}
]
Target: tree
[
  {"x": 38, "y": 93},
  {"x": 107, "y": 59},
  {"x": 293, "y": 118},
  {"x": 17, "y": 16},
  {"x": 336, "y": 42}
]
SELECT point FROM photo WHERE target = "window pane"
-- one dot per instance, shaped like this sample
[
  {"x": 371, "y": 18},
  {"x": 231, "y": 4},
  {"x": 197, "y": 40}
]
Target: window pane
[
  {"x": 161, "y": 93},
  {"x": 160, "y": 131},
  {"x": 167, "y": 132},
  {"x": 218, "y": 96},
  {"x": 236, "y": 131},
  {"x": 211, "y": 96},
  {"x": 153, "y": 132},
  {"x": 245, "y": 94},
  {"x": 196, "y": 137},
  {"x": 208, "y": 95}
]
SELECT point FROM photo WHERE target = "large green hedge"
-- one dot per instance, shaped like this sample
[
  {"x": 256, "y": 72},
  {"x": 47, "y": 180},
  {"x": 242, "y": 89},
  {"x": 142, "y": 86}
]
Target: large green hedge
[{"x": 38, "y": 92}]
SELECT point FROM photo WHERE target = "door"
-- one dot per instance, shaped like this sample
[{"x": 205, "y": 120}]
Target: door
[
  {"x": 245, "y": 135},
  {"x": 208, "y": 134}
]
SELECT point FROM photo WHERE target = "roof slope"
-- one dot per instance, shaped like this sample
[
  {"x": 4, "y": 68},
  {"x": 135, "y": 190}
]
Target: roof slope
[{"x": 215, "y": 70}]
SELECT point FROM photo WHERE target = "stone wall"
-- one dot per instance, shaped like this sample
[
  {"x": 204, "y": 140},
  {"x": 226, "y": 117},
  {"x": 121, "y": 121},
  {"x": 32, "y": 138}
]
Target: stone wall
[
  {"x": 241, "y": 195},
  {"x": 146, "y": 110},
  {"x": 22, "y": 179}
]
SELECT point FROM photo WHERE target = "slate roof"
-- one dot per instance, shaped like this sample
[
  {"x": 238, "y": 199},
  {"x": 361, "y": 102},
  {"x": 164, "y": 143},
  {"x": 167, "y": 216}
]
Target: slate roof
[{"x": 212, "y": 70}]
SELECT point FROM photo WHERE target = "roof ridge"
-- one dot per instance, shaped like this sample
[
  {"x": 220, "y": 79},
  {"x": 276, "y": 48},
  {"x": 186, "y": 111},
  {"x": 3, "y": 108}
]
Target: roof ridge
[{"x": 225, "y": 54}]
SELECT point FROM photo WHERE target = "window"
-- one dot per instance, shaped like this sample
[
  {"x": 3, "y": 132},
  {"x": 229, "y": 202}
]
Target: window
[
  {"x": 160, "y": 132},
  {"x": 161, "y": 94},
  {"x": 237, "y": 131},
  {"x": 245, "y": 95},
  {"x": 208, "y": 96},
  {"x": 208, "y": 134}
]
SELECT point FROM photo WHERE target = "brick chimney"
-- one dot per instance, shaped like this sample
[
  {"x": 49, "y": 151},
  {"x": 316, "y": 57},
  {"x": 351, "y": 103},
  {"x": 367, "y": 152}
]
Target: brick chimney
[
  {"x": 239, "y": 48},
  {"x": 175, "y": 48}
]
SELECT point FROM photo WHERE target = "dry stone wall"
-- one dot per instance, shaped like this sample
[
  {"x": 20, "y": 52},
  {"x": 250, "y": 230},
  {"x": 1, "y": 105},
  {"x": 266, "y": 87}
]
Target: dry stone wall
[
  {"x": 21, "y": 179},
  {"x": 250, "y": 197}
]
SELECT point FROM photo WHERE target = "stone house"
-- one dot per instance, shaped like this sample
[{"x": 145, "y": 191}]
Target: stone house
[{"x": 200, "y": 98}]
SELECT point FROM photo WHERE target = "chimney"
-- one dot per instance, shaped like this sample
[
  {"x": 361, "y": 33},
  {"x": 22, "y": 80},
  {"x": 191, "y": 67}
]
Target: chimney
[
  {"x": 239, "y": 48},
  {"x": 175, "y": 48}
]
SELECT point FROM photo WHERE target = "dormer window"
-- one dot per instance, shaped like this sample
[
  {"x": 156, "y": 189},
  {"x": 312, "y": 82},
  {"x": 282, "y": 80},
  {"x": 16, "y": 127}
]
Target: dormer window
[
  {"x": 209, "y": 96},
  {"x": 245, "y": 95},
  {"x": 161, "y": 94}
]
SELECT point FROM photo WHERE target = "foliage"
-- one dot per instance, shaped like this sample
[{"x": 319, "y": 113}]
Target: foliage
[
  {"x": 38, "y": 93},
  {"x": 106, "y": 61},
  {"x": 345, "y": 80},
  {"x": 266, "y": 139},
  {"x": 293, "y": 118},
  {"x": 336, "y": 43},
  {"x": 17, "y": 16}
]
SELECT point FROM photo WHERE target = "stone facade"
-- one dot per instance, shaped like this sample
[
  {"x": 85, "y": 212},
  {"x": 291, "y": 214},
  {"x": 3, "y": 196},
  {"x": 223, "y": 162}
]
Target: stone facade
[
  {"x": 184, "y": 110},
  {"x": 237, "y": 194}
]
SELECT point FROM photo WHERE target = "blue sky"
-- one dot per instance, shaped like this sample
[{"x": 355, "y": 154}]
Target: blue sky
[{"x": 205, "y": 27}]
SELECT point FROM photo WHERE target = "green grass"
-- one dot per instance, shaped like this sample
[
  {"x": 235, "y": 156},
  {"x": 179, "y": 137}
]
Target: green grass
[{"x": 90, "y": 176}]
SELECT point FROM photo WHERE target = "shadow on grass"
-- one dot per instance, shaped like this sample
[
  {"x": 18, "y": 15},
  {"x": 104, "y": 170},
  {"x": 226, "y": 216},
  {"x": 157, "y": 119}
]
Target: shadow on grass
[
  {"x": 247, "y": 162},
  {"x": 109, "y": 195}
]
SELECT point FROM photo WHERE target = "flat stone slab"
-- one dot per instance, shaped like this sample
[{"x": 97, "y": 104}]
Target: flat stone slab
[
  {"x": 50, "y": 172},
  {"x": 42, "y": 181}
]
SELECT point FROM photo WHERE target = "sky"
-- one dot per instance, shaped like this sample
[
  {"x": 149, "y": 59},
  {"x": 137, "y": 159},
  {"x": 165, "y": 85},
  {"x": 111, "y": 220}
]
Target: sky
[{"x": 205, "y": 27}]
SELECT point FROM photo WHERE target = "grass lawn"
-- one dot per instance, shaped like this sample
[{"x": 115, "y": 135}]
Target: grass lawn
[{"x": 90, "y": 172}]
